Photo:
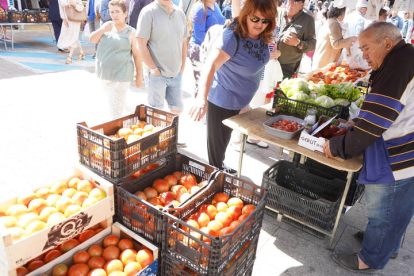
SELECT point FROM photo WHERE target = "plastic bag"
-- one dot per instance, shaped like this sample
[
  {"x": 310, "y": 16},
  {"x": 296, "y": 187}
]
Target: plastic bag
[
  {"x": 272, "y": 75},
  {"x": 356, "y": 61},
  {"x": 86, "y": 33}
]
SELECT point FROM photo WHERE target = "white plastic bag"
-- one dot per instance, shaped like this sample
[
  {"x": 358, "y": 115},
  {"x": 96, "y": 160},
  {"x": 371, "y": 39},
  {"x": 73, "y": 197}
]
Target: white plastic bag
[
  {"x": 86, "y": 33},
  {"x": 272, "y": 75},
  {"x": 356, "y": 61}
]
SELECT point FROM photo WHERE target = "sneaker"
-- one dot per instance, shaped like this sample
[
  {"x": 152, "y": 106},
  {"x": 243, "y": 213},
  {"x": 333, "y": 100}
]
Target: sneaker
[
  {"x": 181, "y": 144},
  {"x": 260, "y": 144},
  {"x": 229, "y": 170}
]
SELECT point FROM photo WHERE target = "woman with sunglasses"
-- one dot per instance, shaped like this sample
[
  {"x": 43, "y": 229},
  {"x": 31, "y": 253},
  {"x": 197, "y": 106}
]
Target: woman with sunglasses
[{"x": 232, "y": 71}]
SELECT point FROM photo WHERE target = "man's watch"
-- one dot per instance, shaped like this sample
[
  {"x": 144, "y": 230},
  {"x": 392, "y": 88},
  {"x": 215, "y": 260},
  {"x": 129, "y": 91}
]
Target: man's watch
[
  {"x": 300, "y": 44},
  {"x": 153, "y": 70}
]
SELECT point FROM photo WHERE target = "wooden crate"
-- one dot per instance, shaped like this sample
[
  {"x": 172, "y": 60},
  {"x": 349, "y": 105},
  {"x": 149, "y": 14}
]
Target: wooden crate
[
  {"x": 16, "y": 254},
  {"x": 68, "y": 255},
  {"x": 116, "y": 229}
]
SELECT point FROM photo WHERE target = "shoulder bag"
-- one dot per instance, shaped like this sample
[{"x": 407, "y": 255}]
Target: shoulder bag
[{"x": 76, "y": 16}]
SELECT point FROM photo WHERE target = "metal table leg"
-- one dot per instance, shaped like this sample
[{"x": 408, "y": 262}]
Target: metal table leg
[
  {"x": 338, "y": 216},
  {"x": 243, "y": 138},
  {"x": 12, "y": 37},
  {"x": 3, "y": 35}
]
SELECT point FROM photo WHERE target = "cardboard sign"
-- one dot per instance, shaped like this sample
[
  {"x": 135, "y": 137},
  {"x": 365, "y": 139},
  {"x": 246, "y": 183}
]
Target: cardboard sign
[{"x": 311, "y": 142}]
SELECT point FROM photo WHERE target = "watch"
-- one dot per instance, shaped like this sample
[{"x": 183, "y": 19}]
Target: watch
[
  {"x": 300, "y": 44},
  {"x": 153, "y": 70}
]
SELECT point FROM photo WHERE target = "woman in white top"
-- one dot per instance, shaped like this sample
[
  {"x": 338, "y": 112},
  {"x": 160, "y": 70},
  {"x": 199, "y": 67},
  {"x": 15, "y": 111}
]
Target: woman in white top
[{"x": 69, "y": 36}]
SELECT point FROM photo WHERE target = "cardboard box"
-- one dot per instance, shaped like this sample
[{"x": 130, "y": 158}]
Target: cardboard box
[{"x": 16, "y": 254}]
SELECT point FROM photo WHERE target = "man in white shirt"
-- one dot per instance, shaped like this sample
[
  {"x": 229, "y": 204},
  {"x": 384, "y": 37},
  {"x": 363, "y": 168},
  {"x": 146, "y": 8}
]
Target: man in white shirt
[{"x": 356, "y": 20}]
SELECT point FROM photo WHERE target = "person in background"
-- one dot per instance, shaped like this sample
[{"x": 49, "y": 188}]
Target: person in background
[
  {"x": 135, "y": 8},
  {"x": 92, "y": 19},
  {"x": 229, "y": 78},
  {"x": 115, "y": 57},
  {"x": 383, "y": 14},
  {"x": 206, "y": 13},
  {"x": 330, "y": 41},
  {"x": 226, "y": 9},
  {"x": 56, "y": 19},
  {"x": 103, "y": 10},
  {"x": 187, "y": 7},
  {"x": 383, "y": 132},
  {"x": 296, "y": 37},
  {"x": 396, "y": 19},
  {"x": 407, "y": 27},
  {"x": 69, "y": 36},
  {"x": 356, "y": 19},
  {"x": 162, "y": 33}
]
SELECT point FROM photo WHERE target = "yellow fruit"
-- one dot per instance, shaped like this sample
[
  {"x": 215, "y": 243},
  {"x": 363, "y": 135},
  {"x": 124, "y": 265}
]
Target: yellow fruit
[
  {"x": 79, "y": 198},
  {"x": 46, "y": 212},
  {"x": 26, "y": 198},
  {"x": 9, "y": 221},
  {"x": 37, "y": 205},
  {"x": 58, "y": 187},
  {"x": 28, "y": 218},
  {"x": 69, "y": 192},
  {"x": 52, "y": 199},
  {"x": 34, "y": 227},
  {"x": 73, "y": 182},
  {"x": 55, "y": 218},
  {"x": 17, "y": 210},
  {"x": 43, "y": 193},
  {"x": 89, "y": 202},
  {"x": 63, "y": 203},
  {"x": 97, "y": 193},
  {"x": 17, "y": 233},
  {"x": 85, "y": 186},
  {"x": 72, "y": 209}
]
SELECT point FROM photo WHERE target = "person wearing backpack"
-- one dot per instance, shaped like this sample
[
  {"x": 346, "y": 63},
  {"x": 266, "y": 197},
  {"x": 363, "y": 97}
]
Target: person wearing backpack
[
  {"x": 206, "y": 13},
  {"x": 229, "y": 81}
]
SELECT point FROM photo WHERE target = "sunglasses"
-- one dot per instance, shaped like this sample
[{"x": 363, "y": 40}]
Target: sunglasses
[{"x": 256, "y": 19}]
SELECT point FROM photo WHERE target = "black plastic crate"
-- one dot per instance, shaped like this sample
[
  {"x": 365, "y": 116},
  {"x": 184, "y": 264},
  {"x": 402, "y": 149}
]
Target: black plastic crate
[
  {"x": 16, "y": 16},
  {"x": 44, "y": 16},
  {"x": 139, "y": 215},
  {"x": 31, "y": 16},
  {"x": 115, "y": 159},
  {"x": 355, "y": 189},
  {"x": 303, "y": 195},
  {"x": 299, "y": 108},
  {"x": 4, "y": 17},
  {"x": 211, "y": 257},
  {"x": 241, "y": 264}
]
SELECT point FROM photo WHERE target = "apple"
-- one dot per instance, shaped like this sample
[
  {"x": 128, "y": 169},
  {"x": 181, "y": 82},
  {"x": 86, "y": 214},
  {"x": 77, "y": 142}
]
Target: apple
[
  {"x": 171, "y": 179},
  {"x": 188, "y": 181},
  {"x": 166, "y": 198},
  {"x": 97, "y": 193},
  {"x": 160, "y": 185}
]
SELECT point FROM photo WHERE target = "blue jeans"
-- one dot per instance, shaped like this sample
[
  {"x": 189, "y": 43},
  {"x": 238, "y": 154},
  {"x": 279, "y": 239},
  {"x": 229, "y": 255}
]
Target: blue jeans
[
  {"x": 390, "y": 207},
  {"x": 160, "y": 88}
]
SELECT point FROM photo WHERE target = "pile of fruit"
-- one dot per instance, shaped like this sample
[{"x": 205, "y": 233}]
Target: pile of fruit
[
  {"x": 58, "y": 251},
  {"x": 286, "y": 125},
  {"x": 115, "y": 258},
  {"x": 35, "y": 211},
  {"x": 173, "y": 189},
  {"x": 337, "y": 74},
  {"x": 217, "y": 219},
  {"x": 331, "y": 130},
  {"x": 134, "y": 132}
]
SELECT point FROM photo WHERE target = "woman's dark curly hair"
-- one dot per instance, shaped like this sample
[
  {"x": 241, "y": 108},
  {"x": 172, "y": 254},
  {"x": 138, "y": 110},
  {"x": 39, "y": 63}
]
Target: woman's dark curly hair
[{"x": 336, "y": 12}]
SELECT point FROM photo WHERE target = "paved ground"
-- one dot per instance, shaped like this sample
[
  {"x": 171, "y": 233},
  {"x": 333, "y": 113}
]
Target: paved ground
[{"x": 41, "y": 100}]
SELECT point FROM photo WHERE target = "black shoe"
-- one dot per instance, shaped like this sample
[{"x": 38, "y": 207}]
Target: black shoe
[
  {"x": 229, "y": 170},
  {"x": 360, "y": 236},
  {"x": 94, "y": 56},
  {"x": 350, "y": 263}
]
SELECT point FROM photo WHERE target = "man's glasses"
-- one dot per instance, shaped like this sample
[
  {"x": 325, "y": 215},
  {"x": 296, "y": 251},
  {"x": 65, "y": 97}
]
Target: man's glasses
[{"x": 256, "y": 19}]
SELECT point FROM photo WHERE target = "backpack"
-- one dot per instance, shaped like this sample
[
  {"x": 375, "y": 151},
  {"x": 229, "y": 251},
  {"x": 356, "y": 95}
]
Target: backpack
[{"x": 211, "y": 36}]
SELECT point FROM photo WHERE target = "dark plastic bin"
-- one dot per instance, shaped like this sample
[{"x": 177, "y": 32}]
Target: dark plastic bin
[
  {"x": 212, "y": 258},
  {"x": 115, "y": 160},
  {"x": 299, "y": 108},
  {"x": 302, "y": 195},
  {"x": 355, "y": 191},
  {"x": 16, "y": 17},
  {"x": 44, "y": 16},
  {"x": 142, "y": 217},
  {"x": 31, "y": 16},
  {"x": 241, "y": 264}
]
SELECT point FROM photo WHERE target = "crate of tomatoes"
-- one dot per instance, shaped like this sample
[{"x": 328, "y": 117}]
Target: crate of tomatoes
[
  {"x": 141, "y": 201},
  {"x": 121, "y": 147},
  {"x": 205, "y": 234}
]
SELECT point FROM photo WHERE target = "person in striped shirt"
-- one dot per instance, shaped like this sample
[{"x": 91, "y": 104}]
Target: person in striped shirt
[{"x": 384, "y": 132}]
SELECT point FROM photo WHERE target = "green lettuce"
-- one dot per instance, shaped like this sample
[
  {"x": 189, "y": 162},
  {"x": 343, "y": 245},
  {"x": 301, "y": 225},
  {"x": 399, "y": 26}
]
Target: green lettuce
[{"x": 291, "y": 86}]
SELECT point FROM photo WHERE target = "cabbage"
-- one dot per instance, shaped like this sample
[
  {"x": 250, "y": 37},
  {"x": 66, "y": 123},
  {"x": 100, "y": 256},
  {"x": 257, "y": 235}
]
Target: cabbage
[
  {"x": 341, "y": 102},
  {"x": 290, "y": 86},
  {"x": 343, "y": 90},
  {"x": 359, "y": 102},
  {"x": 299, "y": 96},
  {"x": 324, "y": 101},
  {"x": 314, "y": 95}
]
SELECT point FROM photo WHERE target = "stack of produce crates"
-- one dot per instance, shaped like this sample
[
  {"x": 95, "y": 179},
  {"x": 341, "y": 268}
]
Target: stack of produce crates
[
  {"x": 190, "y": 251},
  {"x": 28, "y": 232},
  {"x": 303, "y": 195},
  {"x": 144, "y": 218}
]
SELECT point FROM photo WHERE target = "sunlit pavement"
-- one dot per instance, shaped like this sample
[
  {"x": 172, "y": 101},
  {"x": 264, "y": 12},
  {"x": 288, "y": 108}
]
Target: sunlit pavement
[{"x": 42, "y": 99}]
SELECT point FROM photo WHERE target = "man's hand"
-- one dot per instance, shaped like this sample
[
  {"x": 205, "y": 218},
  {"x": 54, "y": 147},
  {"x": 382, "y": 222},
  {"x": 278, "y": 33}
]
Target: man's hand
[
  {"x": 199, "y": 109},
  {"x": 107, "y": 26},
  {"x": 290, "y": 39},
  {"x": 327, "y": 150},
  {"x": 156, "y": 73}
]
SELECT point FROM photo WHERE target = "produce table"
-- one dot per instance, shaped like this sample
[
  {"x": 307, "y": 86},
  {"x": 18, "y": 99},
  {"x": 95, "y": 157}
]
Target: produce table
[
  {"x": 251, "y": 124},
  {"x": 4, "y": 25}
]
